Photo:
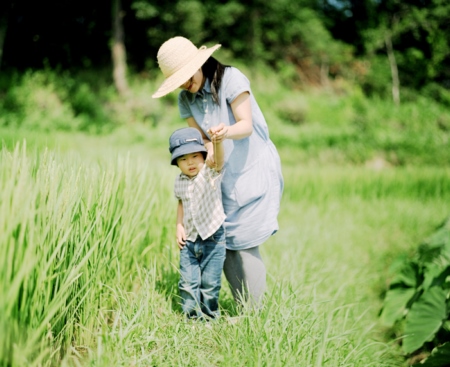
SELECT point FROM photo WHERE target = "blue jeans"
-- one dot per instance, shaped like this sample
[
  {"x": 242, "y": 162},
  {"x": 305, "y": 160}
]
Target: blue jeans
[{"x": 201, "y": 264}]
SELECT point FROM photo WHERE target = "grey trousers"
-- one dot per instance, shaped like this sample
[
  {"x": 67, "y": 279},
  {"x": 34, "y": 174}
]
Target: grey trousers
[{"x": 246, "y": 274}]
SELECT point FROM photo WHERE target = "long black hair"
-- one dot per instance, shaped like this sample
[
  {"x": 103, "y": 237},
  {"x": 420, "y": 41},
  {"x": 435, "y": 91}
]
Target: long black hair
[{"x": 214, "y": 70}]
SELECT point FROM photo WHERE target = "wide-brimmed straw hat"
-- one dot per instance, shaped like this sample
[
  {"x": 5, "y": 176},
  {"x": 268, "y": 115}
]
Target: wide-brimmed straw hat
[{"x": 179, "y": 59}]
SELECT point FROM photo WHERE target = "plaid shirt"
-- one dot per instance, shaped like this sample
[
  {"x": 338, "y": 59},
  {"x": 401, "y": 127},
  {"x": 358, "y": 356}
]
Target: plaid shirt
[{"x": 201, "y": 197}]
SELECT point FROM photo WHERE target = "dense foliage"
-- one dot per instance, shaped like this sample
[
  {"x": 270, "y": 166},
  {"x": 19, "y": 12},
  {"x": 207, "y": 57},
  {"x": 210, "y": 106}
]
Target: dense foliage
[
  {"x": 417, "y": 301},
  {"x": 336, "y": 128},
  {"x": 308, "y": 42}
]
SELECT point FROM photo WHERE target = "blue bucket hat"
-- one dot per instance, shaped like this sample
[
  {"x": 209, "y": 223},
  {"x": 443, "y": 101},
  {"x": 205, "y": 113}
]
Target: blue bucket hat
[{"x": 185, "y": 141}]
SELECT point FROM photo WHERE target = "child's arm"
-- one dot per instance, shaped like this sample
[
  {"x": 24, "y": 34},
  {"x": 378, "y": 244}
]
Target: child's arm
[
  {"x": 208, "y": 145},
  {"x": 216, "y": 141},
  {"x": 218, "y": 155},
  {"x": 181, "y": 235}
]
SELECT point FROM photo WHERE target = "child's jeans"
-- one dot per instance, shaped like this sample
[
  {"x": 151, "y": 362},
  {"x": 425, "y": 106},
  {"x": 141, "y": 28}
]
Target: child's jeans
[{"x": 201, "y": 264}]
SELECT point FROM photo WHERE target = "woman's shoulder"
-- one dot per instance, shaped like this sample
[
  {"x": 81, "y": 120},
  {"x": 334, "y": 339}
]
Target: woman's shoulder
[
  {"x": 231, "y": 72},
  {"x": 185, "y": 99},
  {"x": 234, "y": 83},
  {"x": 183, "y": 96}
]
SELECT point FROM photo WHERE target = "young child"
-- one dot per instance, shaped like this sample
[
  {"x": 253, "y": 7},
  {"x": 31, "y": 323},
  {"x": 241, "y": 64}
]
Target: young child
[{"x": 200, "y": 216}]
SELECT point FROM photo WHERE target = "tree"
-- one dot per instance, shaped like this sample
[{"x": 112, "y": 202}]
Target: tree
[
  {"x": 118, "y": 49},
  {"x": 393, "y": 67},
  {"x": 4, "y": 13}
]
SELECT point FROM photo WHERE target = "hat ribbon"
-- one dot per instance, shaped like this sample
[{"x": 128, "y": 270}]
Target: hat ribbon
[{"x": 179, "y": 142}]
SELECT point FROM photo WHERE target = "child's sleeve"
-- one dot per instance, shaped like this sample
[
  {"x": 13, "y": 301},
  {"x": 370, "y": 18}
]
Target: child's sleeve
[
  {"x": 213, "y": 173},
  {"x": 176, "y": 189}
]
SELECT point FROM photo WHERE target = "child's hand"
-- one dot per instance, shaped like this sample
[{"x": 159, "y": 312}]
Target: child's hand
[
  {"x": 218, "y": 133},
  {"x": 181, "y": 236}
]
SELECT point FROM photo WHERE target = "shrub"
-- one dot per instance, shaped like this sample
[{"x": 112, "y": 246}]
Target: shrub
[
  {"x": 35, "y": 101},
  {"x": 417, "y": 301}
]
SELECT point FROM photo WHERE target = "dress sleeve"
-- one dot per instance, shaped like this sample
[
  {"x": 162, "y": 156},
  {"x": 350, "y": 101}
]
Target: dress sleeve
[
  {"x": 183, "y": 106},
  {"x": 234, "y": 84}
]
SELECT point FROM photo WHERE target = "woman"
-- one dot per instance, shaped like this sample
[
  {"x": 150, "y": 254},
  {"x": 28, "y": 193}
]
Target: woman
[{"x": 217, "y": 99}]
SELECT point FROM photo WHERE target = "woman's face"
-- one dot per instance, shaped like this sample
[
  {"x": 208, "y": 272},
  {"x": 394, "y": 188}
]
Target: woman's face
[{"x": 195, "y": 83}]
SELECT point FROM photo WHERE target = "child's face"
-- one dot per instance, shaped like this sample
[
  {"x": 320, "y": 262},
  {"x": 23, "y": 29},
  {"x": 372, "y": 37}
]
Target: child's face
[{"x": 191, "y": 164}]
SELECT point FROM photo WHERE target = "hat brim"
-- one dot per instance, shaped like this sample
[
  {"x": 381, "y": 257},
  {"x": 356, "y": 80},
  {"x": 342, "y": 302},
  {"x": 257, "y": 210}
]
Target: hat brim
[
  {"x": 181, "y": 76},
  {"x": 187, "y": 148}
]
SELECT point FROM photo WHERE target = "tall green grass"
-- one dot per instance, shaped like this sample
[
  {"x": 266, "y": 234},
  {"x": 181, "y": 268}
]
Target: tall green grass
[
  {"x": 67, "y": 229},
  {"x": 88, "y": 262}
]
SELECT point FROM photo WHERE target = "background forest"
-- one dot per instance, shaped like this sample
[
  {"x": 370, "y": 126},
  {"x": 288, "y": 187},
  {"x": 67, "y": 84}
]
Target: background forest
[
  {"x": 91, "y": 64},
  {"x": 357, "y": 99}
]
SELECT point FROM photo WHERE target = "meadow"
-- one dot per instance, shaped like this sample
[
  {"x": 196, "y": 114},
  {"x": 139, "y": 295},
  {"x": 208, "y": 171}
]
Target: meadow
[
  {"x": 88, "y": 259},
  {"x": 89, "y": 262}
]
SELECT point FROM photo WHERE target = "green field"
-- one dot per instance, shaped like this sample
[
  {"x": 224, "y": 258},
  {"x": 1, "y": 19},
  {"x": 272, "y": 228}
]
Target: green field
[{"x": 88, "y": 259}]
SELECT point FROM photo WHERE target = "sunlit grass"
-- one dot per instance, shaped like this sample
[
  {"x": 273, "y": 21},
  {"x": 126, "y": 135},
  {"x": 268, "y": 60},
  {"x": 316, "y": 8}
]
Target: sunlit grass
[{"x": 89, "y": 265}]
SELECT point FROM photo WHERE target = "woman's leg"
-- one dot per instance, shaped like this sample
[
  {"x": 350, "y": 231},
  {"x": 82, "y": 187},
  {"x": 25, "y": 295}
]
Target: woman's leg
[{"x": 246, "y": 274}]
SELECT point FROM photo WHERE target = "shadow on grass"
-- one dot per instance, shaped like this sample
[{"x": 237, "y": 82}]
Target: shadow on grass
[{"x": 227, "y": 304}]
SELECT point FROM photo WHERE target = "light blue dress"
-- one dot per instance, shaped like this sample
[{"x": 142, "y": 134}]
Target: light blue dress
[{"x": 252, "y": 182}]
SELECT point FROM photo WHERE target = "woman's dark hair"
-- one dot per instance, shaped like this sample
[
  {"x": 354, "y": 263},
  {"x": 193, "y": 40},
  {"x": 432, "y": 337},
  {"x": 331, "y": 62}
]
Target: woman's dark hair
[{"x": 214, "y": 71}]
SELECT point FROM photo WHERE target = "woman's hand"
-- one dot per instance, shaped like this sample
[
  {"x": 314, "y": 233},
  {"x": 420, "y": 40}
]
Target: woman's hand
[{"x": 218, "y": 133}]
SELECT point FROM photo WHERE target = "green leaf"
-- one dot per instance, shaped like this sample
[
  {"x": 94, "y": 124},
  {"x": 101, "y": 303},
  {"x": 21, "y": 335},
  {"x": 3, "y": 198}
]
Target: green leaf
[
  {"x": 407, "y": 275},
  {"x": 441, "y": 236},
  {"x": 394, "y": 305},
  {"x": 437, "y": 244},
  {"x": 428, "y": 253},
  {"x": 439, "y": 357},
  {"x": 446, "y": 325},
  {"x": 435, "y": 275},
  {"x": 424, "y": 319}
]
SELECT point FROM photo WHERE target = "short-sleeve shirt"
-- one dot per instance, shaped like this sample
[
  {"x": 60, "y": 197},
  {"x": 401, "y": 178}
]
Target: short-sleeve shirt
[
  {"x": 252, "y": 181},
  {"x": 201, "y": 197}
]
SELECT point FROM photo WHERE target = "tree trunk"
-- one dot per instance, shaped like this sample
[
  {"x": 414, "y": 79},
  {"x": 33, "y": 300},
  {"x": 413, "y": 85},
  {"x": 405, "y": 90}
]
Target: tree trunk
[
  {"x": 324, "y": 72},
  {"x": 118, "y": 50},
  {"x": 4, "y": 12},
  {"x": 394, "y": 69}
]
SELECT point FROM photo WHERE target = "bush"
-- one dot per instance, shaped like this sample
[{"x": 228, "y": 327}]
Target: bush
[
  {"x": 36, "y": 101},
  {"x": 417, "y": 301}
]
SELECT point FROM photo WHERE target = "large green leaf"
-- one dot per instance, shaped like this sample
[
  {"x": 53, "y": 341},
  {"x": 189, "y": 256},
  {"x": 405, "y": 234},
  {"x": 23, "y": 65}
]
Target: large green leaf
[
  {"x": 407, "y": 275},
  {"x": 394, "y": 305},
  {"x": 440, "y": 357},
  {"x": 428, "y": 253},
  {"x": 438, "y": 244},
  {"x": 435, "y": 275},
  {"x": 424, "y": 318}
]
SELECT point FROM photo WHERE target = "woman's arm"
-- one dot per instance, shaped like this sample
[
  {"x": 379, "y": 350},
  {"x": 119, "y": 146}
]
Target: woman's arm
[
  {"x": 208, "y": 145},
  {"x": 192, "y": 123},
  {"x": 242, "y": 111}
]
